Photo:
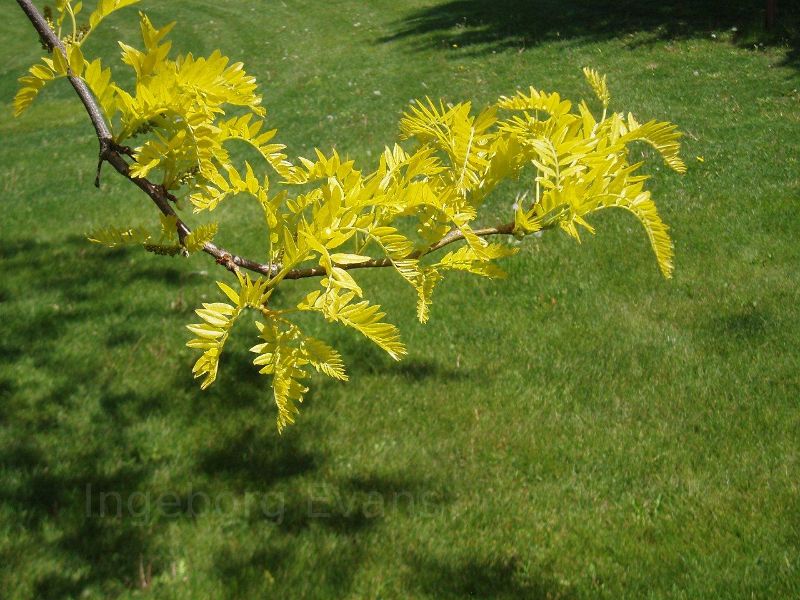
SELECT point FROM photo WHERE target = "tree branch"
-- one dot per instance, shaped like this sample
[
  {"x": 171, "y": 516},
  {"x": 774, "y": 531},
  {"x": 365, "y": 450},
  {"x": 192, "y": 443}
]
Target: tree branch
[
  {"x": 454, "y": 235},
  {"x": 112, "y": 153}
]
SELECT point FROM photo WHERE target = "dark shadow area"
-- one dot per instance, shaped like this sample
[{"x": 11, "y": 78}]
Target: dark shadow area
[
  {"x": 419, "y": 370},
  {"x": 333, "y": 574},
  {"x": 491, "y": 26},
  {"x": 75, "y": 265},
  {"x": 748, "y": 326},
  {"x": 82, "y": 463},
  {"x": 506, "y": 578},
  {"x": 81, "y": 472},
  {"x": 77, "y": 459},
  {"x": 358, "y": 504},
  {"x": 256, "y": 459},
  {"x": 43, "y": 495}
]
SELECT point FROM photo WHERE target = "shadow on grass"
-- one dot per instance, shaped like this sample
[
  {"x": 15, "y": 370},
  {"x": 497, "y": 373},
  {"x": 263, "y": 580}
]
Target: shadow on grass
[
  {"x": 255, "y": 459},
  {"x": 49, "y": 464},
  {"x": 748, "y": 324},
  {"x": 84, "y": 469},
  {"x": 490, "y": 26},
  {"x": 45, "y": 496},
  {"x": 422, "y": 370},
  {"x": 732, "y": 331},
  {"x": 489, "y": 579}
]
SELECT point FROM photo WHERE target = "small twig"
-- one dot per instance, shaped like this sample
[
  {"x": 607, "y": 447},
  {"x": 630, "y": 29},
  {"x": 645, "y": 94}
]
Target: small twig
[
  {"x": 100, "y": 161},
  {"x": 452, "y": 236},
  {"x": 126, "y": 150}
]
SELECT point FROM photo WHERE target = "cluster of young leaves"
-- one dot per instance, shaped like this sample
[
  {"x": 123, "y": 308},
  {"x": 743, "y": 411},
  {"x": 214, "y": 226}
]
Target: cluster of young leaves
[
  {"x": 164, "y": 242},
  {"x": 582, "y": 164},
  {"x": 418, "y": 199},
  {"x": 55, "y": 65}
]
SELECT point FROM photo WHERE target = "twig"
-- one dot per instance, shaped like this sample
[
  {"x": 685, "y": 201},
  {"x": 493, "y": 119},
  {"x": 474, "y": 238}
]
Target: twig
[
  {"x": 453, "y": 235},
  {"x": 112, "y": 153}
]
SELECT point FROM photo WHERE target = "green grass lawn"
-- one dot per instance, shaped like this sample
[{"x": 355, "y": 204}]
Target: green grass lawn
[{"x": 584, "y": 429}]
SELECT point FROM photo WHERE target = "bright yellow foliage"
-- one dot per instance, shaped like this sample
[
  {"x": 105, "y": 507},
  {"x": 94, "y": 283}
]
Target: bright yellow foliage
[{"x": 343, "y": 218}]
